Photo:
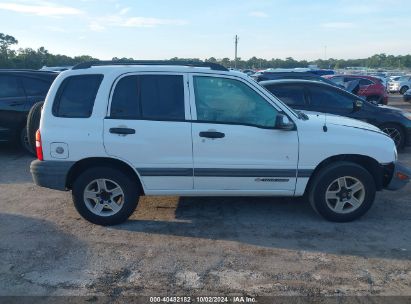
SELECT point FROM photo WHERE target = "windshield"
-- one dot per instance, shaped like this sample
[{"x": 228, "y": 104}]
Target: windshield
[{"x": 404, "y": 78}]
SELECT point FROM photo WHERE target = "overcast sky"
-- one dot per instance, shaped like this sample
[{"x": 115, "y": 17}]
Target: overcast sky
[{"x": 161, "y": 29}]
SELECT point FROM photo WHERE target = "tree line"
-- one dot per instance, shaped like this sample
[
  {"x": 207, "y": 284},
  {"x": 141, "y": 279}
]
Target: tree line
[{"x": 29, "y": 58}]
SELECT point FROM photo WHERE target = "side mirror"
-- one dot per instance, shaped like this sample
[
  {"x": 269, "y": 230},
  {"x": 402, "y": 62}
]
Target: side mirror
[
  {"x": 358, "y": 105},
  {"x": 282, "y": 122}
]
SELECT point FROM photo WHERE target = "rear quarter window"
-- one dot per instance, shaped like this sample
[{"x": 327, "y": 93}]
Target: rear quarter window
[{"x": 76, "y": 95}]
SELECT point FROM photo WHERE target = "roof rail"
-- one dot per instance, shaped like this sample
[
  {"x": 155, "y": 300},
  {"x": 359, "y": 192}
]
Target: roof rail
[{"x": 89, "y": 64}]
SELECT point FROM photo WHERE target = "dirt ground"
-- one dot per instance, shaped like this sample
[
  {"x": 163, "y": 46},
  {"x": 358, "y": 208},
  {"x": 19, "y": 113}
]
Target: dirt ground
[{"x": 198, "y": 246}]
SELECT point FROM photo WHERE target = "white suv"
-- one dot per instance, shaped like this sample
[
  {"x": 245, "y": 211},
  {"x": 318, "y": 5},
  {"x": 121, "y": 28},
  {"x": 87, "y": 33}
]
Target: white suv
[
  {"x": 111, "y": 133},
  {"x": 402, "y": 85}
]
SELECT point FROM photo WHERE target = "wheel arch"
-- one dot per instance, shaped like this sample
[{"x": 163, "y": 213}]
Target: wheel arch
[
  {"x": 396, "y": 123},
  {"x": 86, "y": 163},
  {"x": 368, "y": 163}
]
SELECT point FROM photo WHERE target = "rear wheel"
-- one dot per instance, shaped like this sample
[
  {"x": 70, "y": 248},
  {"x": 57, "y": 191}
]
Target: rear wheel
[
  {"x": 404, "y": 89},
  {"x": 396, "y": 133},
  {"x": 24, "y": 142},
  {"x": 105, "y": 196},
  {"x": 342, "y": 192},
  {"x": 33, "y": 123}
]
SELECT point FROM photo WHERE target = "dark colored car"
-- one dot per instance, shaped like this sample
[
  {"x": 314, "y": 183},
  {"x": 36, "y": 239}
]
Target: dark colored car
[
  {"x": 371, "y": 88},
  {"x": 321, "y": 97},
  {"x": 19, "y": 91},
  {"x": 263, "y": 76},
  {"x": 407, "y": 95}
]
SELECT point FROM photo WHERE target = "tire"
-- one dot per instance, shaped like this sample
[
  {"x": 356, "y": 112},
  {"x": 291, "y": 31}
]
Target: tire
[
  {"x": 403, "y": 90},
  {"x": 396, "y": 132},
  {"x": 24, "y": 142},
  {"x": 91, "y": 181},
  {"x": 326, "y": 185},
  {"x": 33, "y": 123}
]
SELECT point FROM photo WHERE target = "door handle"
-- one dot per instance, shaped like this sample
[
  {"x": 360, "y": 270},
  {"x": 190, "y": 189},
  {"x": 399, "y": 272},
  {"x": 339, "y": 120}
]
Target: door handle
[
  {"x": 122, "y": 131},
  {"x": 211, "y": 134}
]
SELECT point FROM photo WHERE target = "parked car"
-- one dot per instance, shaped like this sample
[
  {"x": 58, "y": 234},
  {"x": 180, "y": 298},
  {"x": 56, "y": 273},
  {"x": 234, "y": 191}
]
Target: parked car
[
  {"x": 402, "y": 85},
  {"x": 321, "y": 97},
  {"x": 263, "y": 76},
  {"x": 371, "y": 88},
  {"x": 164, "y": 128},
  {"x": 19, "y": 91},
  {"x": 407, "y": 95}
]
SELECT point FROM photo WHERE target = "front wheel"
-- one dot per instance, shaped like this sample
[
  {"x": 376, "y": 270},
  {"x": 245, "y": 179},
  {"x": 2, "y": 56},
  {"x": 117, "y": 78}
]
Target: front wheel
[
  {"x": 105, "y": 196},
  {"x": 396, "y": 133},
  {"x": 342, "y": 192}
]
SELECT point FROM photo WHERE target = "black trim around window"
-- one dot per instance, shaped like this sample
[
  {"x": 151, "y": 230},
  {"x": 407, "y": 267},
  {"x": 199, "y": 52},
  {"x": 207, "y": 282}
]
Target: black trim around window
[
  {"x": 206, "y": 122},
  {"x": 61, "y": 89}
]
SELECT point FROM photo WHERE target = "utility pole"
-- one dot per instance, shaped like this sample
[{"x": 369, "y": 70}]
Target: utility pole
[
  {"x": 325, "y": 52},
  {"x": 235, "y": 56}
]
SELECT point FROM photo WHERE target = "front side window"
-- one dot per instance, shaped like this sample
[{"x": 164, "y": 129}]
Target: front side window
[
  {"x": 151, "y": 97},
  {"x": 291, "y": 95},
  {"x": 322, "y": 97},
  {"x": 9, "y": 87},
  {"x": 76, "y": 95},
  {"x": 224, "y": 100}
]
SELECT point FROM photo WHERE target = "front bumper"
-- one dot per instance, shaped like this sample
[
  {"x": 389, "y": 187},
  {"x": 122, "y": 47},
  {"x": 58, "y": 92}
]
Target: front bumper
[
  {"x": 401, "y": 176},
  {"x": 50, "y": 174}
]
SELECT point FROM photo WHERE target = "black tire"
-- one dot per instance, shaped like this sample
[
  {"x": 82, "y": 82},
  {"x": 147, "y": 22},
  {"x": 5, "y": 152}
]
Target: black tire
[
  {"x": 326, "y": 178},
  {"x": 128, "y": 186},
  {"x": 396, "y": 132},
  {"x": 404, "y": 89},
  {"x": 24, "y": 142},
  {"x": 33, "y": 123}
]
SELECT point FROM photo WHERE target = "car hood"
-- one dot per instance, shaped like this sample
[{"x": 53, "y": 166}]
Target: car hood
[{"x": 331, "y": 119}]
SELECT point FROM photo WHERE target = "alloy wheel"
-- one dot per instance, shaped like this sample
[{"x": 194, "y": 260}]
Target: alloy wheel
[
  {"x": 103, "y": 197},
  {"x": 345, "y": 194}
]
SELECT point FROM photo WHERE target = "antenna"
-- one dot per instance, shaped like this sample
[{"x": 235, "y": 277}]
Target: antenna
[{"x": 236, "y": 46}]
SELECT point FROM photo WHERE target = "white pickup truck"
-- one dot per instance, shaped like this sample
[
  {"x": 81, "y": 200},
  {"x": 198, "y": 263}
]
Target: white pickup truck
[{"x": 111, "y": 132}]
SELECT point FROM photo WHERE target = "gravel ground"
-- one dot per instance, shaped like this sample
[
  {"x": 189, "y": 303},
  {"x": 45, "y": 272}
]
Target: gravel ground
[{"x": 198, "y": 246}]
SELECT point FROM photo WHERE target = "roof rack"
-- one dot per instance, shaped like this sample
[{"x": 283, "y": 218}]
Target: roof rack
[{"x": 89, "y": 64}]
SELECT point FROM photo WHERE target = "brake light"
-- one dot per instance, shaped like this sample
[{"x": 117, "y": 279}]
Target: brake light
[{"x": 39, "y": 149}]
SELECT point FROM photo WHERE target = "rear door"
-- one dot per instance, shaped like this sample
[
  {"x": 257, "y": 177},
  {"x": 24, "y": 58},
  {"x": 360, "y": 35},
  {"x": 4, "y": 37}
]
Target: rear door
[
  {"x": 12, "y": 106},
  {"x": 148, "y": 125}
]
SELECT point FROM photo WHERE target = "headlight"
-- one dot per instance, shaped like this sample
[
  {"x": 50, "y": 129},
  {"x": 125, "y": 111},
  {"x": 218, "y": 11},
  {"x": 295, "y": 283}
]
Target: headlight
[
  {"x": 395, "y": 154},
  {"x": 407, "y": 115}
]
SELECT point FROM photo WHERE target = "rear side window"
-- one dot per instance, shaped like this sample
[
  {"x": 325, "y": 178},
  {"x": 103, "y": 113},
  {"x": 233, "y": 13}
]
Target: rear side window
[
  {"x": 365, "y": 82},
  {"x": 35, "y": 87},
  {"x": 9, "y": 87},
  {"x": 76, "y": 95},
  {"x": 289, "y": 94},
  {"x": 152, "y": 97}
]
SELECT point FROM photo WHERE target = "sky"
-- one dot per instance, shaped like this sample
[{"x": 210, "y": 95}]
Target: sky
[{"x": 162, "y": 29}]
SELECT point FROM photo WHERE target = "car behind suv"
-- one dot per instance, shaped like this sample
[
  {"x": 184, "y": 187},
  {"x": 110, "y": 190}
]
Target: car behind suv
[
  {"x": 371, "y": 88},
  {"x": 321, "y": 97},
  {"x": 111, "y": 132},
  {"x": 19, "y": 91}
]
